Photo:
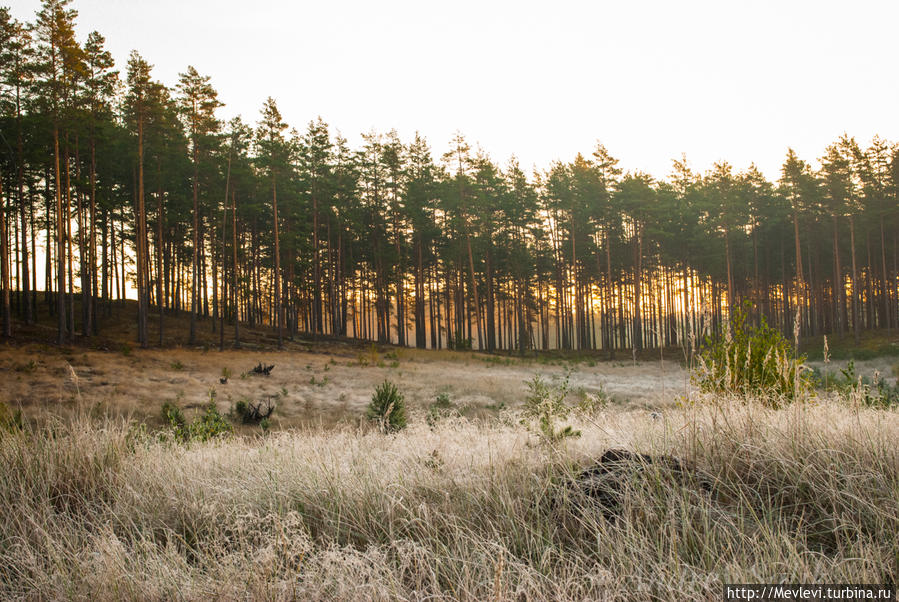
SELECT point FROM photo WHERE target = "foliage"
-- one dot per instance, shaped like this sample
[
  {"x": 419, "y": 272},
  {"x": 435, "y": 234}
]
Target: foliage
[
  {"x": 863, "y": 390},
  {"x": 461, "y": 343},
  {"x": 208, "y": 425},
  {"x": 752, "y": 361},
  {"x": 173, "y": 416},
  {"x": 387, "y": 408},
  {"x": 442, "y": 407},
  {"x": 591, "y": 403},
  {"x": 491, "y": 240},
  {"x": 545, "y": 405}
]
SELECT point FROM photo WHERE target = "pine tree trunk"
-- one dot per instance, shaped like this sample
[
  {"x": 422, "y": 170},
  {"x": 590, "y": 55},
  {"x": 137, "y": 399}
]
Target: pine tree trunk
[
  {"x": 192, "y": 338},
  {"x": 235, "y": 268},
  {"x": 27, "y": 296},
  {"x": 856, "y": 320},
  {"x": 4, "y": 265},
  {"x": 142, "y": 246},
  {"x": 638, "y": 287},
  {"x": 886, "y": 300},
  {"x": 83, "y": 255},
  {"x": 277, "y": 290},
  {"x": 60, "y": 246},
  {"x": 160, "y": 245},
  {"x": 491, "y": 303}
]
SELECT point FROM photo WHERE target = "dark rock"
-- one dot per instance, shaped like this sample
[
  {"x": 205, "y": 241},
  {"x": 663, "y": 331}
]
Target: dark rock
[{"x": 605, "y": 482}]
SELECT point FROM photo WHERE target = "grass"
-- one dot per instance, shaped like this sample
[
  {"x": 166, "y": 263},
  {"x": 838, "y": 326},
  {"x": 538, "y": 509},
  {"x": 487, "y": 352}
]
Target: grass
[{"x": 102, "y": 509}]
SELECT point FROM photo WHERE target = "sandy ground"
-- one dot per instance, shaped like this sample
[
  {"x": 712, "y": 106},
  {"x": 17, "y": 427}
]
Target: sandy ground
[{"x": 323, "y": 384}]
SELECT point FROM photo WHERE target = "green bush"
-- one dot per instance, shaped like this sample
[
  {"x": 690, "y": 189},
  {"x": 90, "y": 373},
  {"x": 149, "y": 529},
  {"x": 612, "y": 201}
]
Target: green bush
[
  {"x": 757, "y": 362},
  {"x": 172, "y": 415},
  {"x": 442, "y": 407},
  {"x": 387, "y": 408},
  {"x": 207, "y": 425},
  {"x": 545, "y": 405}
]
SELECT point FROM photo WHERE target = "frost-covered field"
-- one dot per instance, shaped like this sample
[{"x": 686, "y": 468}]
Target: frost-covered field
[{"x": 312, "y": 387}]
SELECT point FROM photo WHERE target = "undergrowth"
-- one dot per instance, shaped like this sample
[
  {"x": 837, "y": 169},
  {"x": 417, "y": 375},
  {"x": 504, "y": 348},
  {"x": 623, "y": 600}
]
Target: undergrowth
[{"x": 754, "y": 362}]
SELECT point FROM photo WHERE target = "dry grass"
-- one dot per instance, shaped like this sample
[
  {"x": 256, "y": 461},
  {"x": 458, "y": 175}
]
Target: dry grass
[
  {"x": 321, "y": 386},
  {"x": 99, "y": 509}
]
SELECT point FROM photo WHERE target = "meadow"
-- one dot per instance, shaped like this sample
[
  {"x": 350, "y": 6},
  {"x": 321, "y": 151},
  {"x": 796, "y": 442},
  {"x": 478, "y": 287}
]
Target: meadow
[{"x": 468, "y": 502}]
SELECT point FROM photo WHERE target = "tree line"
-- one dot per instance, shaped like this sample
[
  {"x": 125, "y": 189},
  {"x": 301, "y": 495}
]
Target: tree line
[{"x": 116, "y": 182}]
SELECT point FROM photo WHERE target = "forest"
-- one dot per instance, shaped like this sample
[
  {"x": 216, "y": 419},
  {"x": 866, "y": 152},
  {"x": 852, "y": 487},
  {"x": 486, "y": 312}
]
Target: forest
[{"x": 114, "y": 184}]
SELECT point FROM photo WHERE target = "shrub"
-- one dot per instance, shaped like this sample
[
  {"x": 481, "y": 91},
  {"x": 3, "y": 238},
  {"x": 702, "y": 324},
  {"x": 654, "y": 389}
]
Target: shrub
[
  {"x": 442, "y": 407},
  {"x": 589, "y": 404},
  {"x": 207, "y": 425},
  {"x": 387, "y": 408},
  {"x": 862, "y": 390},
  {"x": 546, "y": 405},
  {"x": 173, "y": 416},
  {"x": 461, "y": 343},
  {"x": 750, "y": 361}
]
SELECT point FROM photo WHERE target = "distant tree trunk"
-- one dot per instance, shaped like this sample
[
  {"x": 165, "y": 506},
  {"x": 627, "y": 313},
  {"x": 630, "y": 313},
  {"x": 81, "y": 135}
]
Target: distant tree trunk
[
  {"x": 491, "y": 294},
  {"x": 160, "y": 244},
  {"x": 192, "y": 339},
  {"x": 317, "y": 321},
  {"x": 235, "y": 289},
  {"x": 400, "y": 274},
  {"x": 839, "y": 289},
  {"x": 143, "y": 283},
  {"x": 884, "y": 282},
  {"x": 4, "y": 265},
  {"x": 730, "y": 278},
  {"x": 92, "y": 251},
  {"x": 277, "y": 291},
  {"x": 60, "y": 246},
  {"x": 609, "y": 305},
  {"x": 420, "y": 336},
  {"x": 68, "y": 231},
  {"x": 27, "y": 297},
  {"x": 48, "y": 249},
  {"x": 474, "y": 289},
  {"x": 856, "y": 326},
  {"x": 638, "y": 287},
  {"x": 800, "y": 285}
]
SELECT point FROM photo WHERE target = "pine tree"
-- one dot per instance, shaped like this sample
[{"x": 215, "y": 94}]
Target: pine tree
[
  {"x": 273, "y": 159},
  {"x": 57, "y": 59},
  {"x": 198, "y": 101}
]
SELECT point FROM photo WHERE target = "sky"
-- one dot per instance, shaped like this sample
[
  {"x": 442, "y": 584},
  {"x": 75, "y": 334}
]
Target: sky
[{"x": 715, "y": 80}]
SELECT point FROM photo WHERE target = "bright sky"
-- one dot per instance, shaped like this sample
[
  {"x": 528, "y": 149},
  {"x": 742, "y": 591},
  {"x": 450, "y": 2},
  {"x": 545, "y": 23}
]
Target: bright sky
[{"x": 718, "y": 80}]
